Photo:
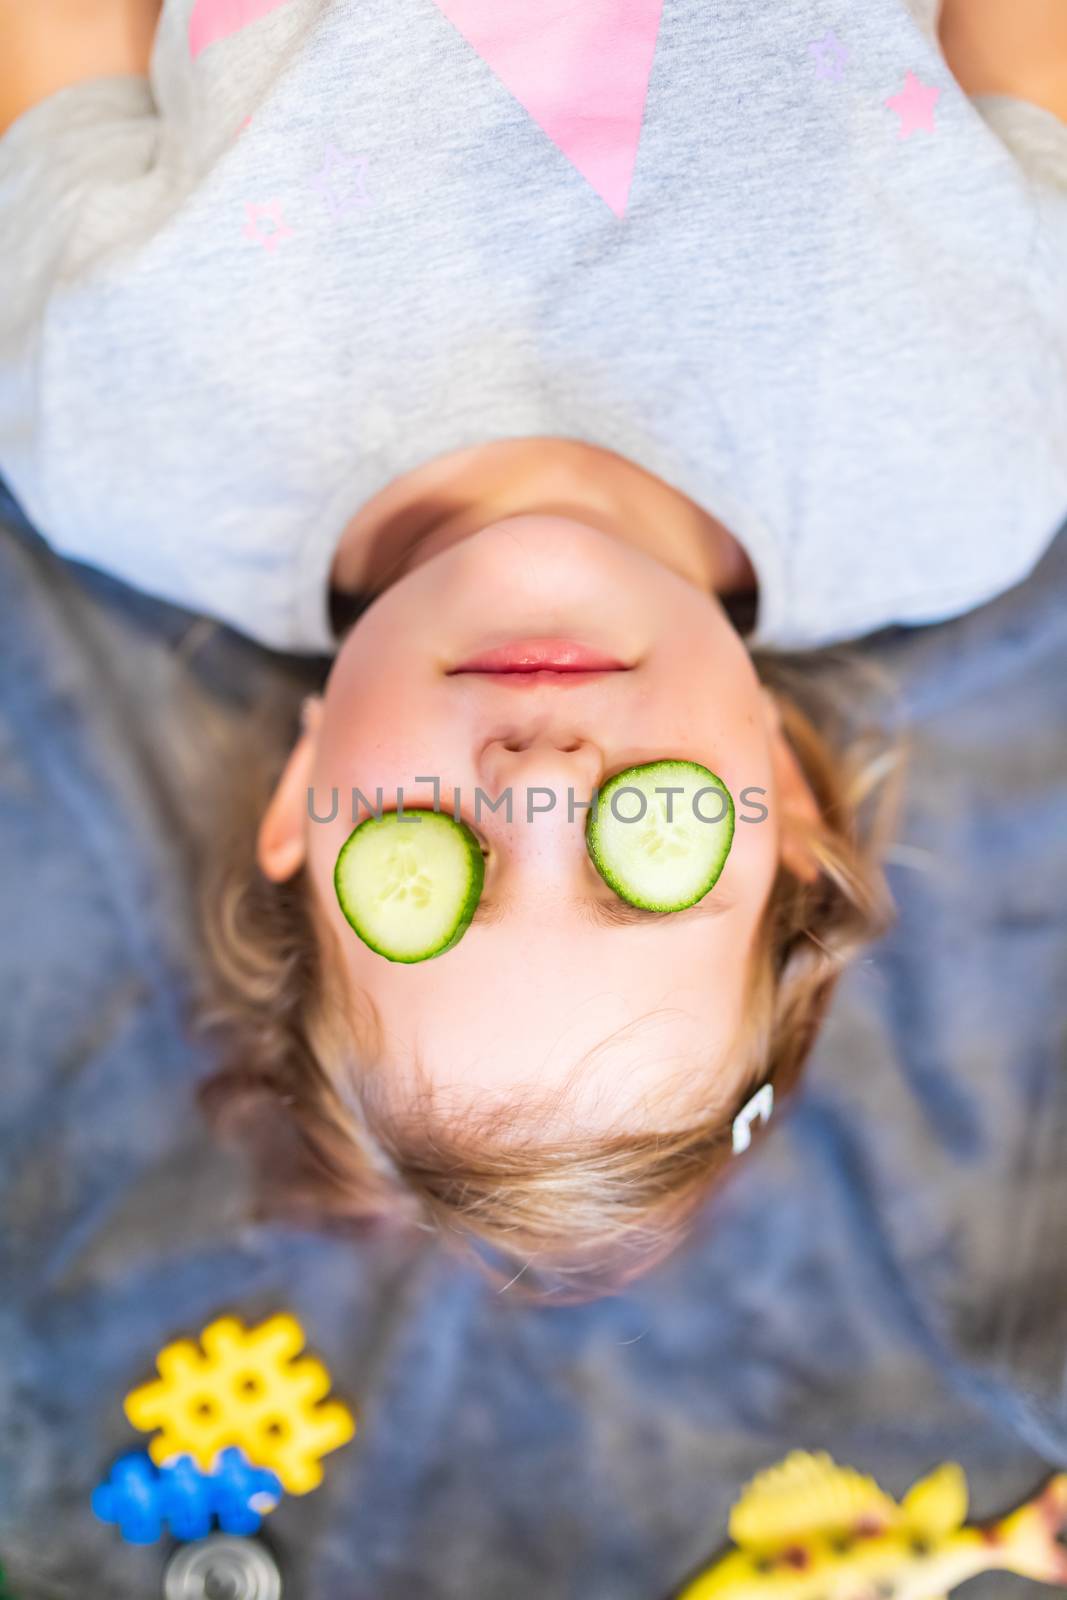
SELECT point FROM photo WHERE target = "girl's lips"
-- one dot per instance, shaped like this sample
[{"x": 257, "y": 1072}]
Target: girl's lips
[
  {"x": 540, "y": 656},
  {"x": 530, "y": 679}
]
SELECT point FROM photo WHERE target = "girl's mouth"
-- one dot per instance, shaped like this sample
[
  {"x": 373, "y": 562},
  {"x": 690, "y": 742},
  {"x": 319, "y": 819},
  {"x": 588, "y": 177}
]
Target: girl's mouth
[{"x": 548, "y": 657}]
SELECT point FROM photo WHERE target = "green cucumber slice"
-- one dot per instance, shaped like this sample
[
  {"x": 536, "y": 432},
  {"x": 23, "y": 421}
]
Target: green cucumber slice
[
  {"x": 653, "y": 862},
  {"x": 410, "y": 889}
]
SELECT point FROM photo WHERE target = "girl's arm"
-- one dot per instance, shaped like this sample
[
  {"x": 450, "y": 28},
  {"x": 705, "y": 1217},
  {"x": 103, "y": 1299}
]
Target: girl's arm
[
  {"x": 46, "y": 45},
  {"x": 1012, "y": 47}
]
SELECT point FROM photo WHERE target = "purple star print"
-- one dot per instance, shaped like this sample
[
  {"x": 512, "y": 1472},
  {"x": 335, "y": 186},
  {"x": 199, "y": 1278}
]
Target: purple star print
[
  {"x": 830, "y": 57},
  {"x": 342, "y": 181}
]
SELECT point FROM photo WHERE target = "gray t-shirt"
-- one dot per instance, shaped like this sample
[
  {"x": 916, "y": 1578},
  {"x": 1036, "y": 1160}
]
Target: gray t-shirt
[{"x": 773, "y": 254}]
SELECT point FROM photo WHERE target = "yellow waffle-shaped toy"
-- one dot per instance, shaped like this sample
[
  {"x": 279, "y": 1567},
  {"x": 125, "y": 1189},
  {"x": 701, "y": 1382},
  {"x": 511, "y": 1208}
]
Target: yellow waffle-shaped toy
[{"x": 243, "y": 1388}]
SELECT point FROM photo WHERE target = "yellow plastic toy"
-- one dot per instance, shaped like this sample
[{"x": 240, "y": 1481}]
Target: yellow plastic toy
[
  {"x": 245, "y": 1389},
  {"x": 811, "y": 1530}
]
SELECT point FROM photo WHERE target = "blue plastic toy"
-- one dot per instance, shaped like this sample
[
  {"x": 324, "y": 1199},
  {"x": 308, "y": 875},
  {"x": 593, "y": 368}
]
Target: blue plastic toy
[
  {"x": 143, "y": 1499},
  {"x": 243, "y": 1493}
]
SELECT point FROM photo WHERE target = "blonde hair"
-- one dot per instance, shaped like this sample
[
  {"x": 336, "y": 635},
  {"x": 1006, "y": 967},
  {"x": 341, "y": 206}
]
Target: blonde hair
[{"x": 588, "y": 1215}]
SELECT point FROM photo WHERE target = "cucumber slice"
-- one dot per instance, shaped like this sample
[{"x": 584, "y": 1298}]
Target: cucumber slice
[
  {"x": 410, "y": 889},
  {"x": 653, "y": 862}
]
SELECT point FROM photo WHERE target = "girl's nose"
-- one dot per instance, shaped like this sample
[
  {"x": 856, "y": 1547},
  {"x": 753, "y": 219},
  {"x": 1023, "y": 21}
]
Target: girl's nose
[{"x": 550, "y": 776}]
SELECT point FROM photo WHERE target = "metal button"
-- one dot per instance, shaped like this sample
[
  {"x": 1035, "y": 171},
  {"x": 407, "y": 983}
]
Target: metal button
[{"x": 222, "y": 1568}]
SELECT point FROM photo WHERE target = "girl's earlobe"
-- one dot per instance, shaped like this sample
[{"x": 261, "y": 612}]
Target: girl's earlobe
[
  {"x": 281, "y": 843},
  {"x": 798, "y": 808},
  {"x": 310, "y": 713},
  {"x": 796, "y": 854}
]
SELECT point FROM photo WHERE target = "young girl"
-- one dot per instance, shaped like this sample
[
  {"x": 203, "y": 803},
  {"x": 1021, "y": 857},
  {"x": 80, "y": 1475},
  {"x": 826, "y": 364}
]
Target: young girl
[{"x": 537, "y": 341}]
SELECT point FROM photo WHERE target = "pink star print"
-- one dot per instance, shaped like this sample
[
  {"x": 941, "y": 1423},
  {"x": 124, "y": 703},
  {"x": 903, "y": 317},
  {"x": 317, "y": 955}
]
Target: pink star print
[
  {"x": 915, "y": 104},
  {"x": 272, "y": 211},
  {"x": 342, "y": 181},
  {"x": 830, "y": 56}
]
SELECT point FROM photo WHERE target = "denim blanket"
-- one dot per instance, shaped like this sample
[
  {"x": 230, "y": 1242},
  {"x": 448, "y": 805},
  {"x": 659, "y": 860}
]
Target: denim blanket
[{"x": 887, "y": 1279}]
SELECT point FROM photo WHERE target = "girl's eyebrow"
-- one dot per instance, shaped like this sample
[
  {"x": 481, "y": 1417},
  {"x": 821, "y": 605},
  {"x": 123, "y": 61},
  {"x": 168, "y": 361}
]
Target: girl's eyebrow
[{"x": 612, "y": 913}]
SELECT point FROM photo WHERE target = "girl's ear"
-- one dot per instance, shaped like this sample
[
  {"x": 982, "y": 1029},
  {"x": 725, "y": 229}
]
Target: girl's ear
[
  {"x": 797, "y": 804},
  {"x": 281, "y": 843}
]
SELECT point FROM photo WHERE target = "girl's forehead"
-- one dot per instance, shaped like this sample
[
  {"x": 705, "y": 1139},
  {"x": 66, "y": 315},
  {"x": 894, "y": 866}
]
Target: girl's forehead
[{"x": 613, "y": 1041}]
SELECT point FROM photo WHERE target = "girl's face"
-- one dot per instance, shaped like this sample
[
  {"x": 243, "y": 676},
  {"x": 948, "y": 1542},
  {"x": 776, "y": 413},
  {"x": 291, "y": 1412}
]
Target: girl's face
[{"x": 543, "y": 976}]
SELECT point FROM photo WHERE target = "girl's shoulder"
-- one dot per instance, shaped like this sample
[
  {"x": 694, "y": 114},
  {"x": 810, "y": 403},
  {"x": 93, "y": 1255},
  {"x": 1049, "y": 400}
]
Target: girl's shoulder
[
  {"x": 1018, "y": 50},
  {"x": 52, "y": 45}
]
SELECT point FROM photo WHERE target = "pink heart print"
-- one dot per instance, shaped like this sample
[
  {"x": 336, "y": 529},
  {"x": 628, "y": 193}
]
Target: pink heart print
[
  {"x": 213, "y": 20},
  {"x": 582, "y": 74}
]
